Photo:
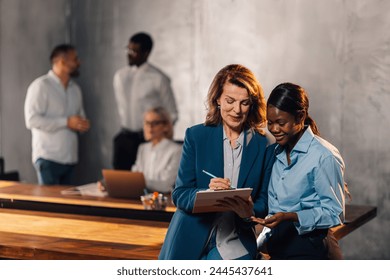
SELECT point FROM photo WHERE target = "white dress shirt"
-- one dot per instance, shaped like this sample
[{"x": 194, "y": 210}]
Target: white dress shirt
[
  {"x": 47, "y": 107},
  {"x": 159, "y": 164},
  {"x": 138, "y": 89}
]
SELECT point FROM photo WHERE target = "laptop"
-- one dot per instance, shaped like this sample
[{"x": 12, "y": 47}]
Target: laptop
[{"x": 124, "y": 184}]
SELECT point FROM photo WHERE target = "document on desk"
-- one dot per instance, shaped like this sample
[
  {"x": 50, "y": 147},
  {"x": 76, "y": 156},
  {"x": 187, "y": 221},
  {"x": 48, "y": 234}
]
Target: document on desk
[
  {"x": 206, "y": 200},
  {"x": 91, "y": 189}
]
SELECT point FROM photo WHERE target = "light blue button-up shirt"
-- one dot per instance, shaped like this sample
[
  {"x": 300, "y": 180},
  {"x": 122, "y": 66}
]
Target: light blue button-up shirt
[{"x": 312, "y": 185}]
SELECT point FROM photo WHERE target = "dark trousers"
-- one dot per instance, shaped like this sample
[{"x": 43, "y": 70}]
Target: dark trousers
[
  {"x": 53, "y": 173},
  {"x": 125, "y": 148},
  {"x": 286, "y": 244}
]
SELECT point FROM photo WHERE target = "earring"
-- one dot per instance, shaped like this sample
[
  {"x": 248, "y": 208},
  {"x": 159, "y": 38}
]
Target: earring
[{"x": 219, "y": 107}]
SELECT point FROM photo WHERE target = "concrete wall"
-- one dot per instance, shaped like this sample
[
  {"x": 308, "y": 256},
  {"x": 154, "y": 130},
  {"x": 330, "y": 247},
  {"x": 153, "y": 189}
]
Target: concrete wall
[
  {"x": 28, "y": 32},
  {"x": 338, "y": 50}
]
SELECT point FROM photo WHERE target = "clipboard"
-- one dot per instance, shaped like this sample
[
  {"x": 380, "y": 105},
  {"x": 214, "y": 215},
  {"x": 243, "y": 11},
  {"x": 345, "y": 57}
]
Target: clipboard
[{"x": 205, "y": 200}]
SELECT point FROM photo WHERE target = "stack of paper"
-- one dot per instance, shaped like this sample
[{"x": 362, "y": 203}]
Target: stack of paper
[{"x": 91, "y": 189}]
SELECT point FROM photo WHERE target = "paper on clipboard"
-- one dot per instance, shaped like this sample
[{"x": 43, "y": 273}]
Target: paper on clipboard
[{"x": 205, "y": 200}]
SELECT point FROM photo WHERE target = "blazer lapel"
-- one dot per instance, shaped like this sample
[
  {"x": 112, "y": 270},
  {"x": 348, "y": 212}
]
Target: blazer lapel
[
  {"x": 249, "y": 155},
  {"x": 215, "y": 152}
]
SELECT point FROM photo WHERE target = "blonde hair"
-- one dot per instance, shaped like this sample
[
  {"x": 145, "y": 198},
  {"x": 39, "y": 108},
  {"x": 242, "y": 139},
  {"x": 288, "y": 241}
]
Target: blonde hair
[{"x": 241, "y": 76}]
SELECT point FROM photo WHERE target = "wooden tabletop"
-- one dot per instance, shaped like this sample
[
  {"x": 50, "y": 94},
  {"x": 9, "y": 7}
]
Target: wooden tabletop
[
  {"x": 355, "y": 217},
  {"x": 43, "y": 235},
  {"x": 35, "y": 235},
  {"x": 52, "y": 194},
  {"x": 23, "y": 196},
  {"x": 49, "y": 198}
]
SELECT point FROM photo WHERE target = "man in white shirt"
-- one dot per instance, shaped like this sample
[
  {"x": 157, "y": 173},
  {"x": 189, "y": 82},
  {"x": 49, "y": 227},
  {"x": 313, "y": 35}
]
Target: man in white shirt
[
  {"x": 54, "y": 113},
  {"x": 138, "y": 87}
]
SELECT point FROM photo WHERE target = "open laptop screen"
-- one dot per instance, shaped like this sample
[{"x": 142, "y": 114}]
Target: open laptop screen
[{"x": 124, "y": 184}]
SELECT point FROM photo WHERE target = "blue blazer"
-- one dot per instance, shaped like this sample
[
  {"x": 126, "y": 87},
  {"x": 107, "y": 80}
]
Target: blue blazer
[{"x": 203, "y": 149}]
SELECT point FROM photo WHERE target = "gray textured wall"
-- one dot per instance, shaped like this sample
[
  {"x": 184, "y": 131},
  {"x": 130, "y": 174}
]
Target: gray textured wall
[
  {"x": 338, "y": 50},
  {"x": 28, "y": 32}
]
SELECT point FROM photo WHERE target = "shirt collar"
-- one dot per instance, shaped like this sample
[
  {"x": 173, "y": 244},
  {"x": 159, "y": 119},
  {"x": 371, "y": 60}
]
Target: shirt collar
[
  {"x": 240, "y": 139},
  {"x": 303, "y": 143},
  {"x": 140, "y": 68},
  {"x": 57, "y": 79},
  {"x": 160, "y": 145}
]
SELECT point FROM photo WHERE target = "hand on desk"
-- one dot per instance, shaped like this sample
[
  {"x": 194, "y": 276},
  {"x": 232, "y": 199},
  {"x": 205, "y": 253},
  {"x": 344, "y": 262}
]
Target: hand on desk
[{"x": 101, "y": 186}]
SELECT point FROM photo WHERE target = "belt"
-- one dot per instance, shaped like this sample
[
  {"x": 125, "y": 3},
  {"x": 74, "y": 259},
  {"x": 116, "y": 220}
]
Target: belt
[
  {"x": 130, "y": 132},
  {"x": 317, "y": 232}
]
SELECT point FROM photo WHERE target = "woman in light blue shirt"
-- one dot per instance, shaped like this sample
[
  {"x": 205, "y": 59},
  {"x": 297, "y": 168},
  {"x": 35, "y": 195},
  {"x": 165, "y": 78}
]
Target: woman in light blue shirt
[{"x": 306, "y": 189}]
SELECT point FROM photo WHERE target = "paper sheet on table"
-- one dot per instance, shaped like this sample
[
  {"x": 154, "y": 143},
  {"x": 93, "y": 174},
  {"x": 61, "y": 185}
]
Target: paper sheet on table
[{"x": 91, "y": 189}]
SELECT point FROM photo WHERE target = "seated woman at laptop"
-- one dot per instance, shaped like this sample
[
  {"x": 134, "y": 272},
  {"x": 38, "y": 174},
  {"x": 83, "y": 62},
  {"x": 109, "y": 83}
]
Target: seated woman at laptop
[{"x": 158, "y": 159}]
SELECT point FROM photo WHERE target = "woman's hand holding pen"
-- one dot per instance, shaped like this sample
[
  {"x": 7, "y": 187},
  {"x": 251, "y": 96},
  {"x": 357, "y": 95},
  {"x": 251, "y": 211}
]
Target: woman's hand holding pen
[
  {"x": 242, "y": 207},
  {"x": 219, "y": 184}
]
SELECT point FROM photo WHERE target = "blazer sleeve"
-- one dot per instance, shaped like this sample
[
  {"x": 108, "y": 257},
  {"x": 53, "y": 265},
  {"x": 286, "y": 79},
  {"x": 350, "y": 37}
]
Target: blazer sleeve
[
  {"x": 183, "y": 195},
  {"x": 261, "y": 202}
]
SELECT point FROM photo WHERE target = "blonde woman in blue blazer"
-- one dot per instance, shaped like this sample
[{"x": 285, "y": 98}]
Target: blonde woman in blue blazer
[{"x": 231, "y": 146}]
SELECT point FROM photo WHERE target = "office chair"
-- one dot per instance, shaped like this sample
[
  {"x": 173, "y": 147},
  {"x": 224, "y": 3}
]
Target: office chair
[{"x": 7, "y": 176}]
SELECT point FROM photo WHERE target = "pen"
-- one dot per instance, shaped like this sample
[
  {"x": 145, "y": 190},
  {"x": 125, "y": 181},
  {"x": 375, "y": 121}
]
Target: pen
[
  {"x": 208, "y": 173},
  {"x": 213, "y": 176}
]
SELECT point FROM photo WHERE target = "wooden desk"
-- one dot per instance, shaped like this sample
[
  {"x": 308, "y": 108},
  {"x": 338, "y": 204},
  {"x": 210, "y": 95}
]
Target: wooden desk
[
  {"x": 44, "y": 236},
  {"x": 355, "y": 217},
  {"x": 35, "y": 235},
  {"x": 34, "y": 197},
  {"x": 49, "y": 198}
]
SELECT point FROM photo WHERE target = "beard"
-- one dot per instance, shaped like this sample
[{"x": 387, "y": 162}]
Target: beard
[
  {"x": 75, "y": 73},
  {"x": 130, "y": 60}
]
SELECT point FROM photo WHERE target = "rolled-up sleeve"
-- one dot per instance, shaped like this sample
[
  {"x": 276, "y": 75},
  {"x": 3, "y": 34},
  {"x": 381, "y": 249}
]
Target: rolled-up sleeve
[{"x": 329, "y": 185}]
